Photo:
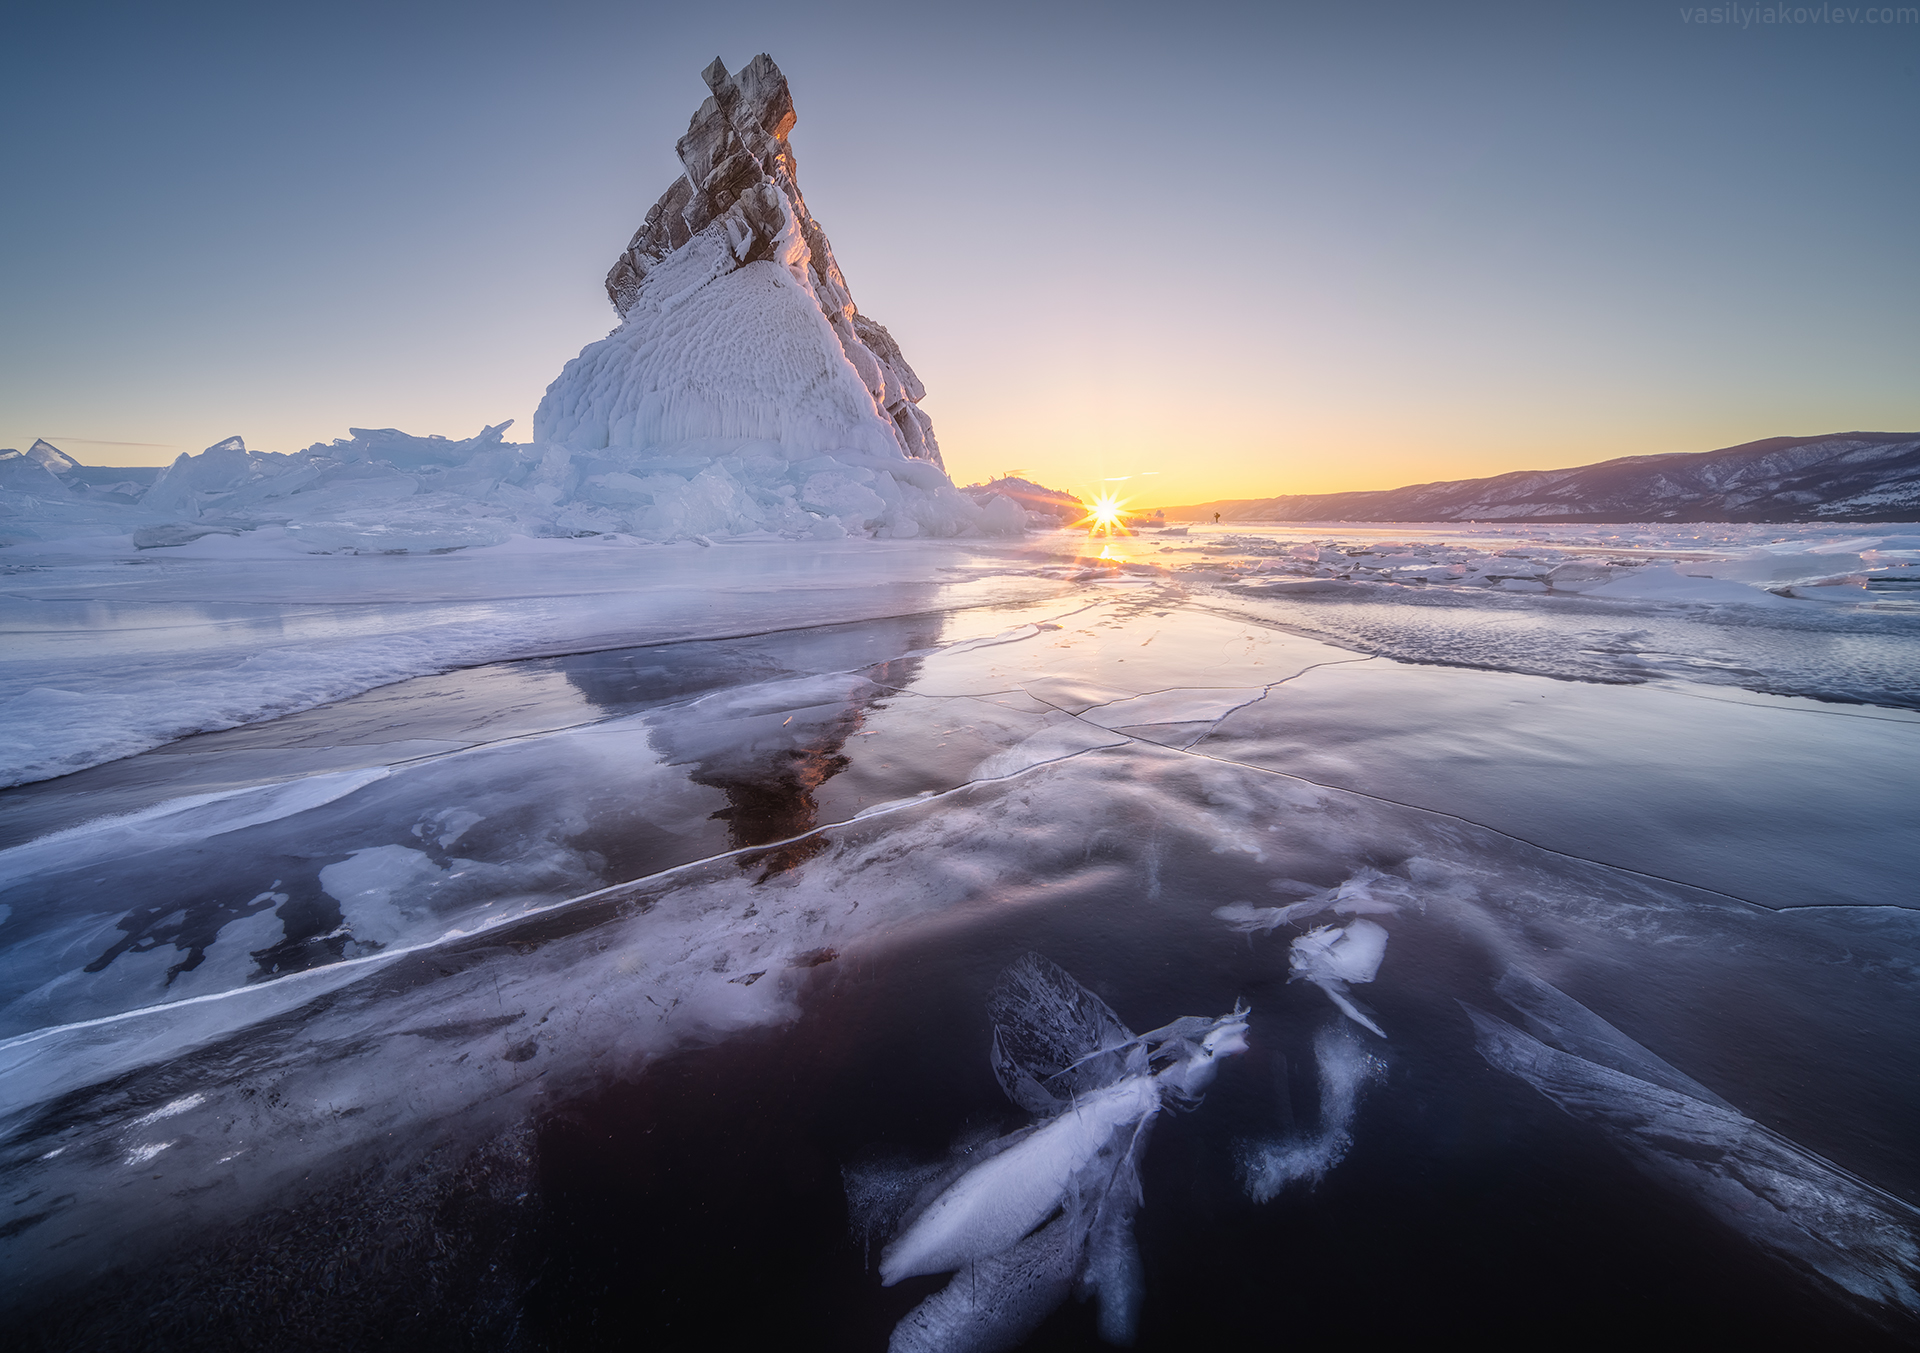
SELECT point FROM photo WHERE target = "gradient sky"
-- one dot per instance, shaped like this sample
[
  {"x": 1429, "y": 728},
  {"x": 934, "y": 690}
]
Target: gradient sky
[{"x": 1228, "y": 250}]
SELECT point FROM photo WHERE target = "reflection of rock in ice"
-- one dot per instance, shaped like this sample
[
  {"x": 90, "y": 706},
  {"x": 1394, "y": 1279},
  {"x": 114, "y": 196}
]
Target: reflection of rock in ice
[
  {"x": 1032, "y": 1216},
  {"x": 770, "y": 747},
  {"x": 1346, "y": 1069},
  {"x": 1331, "y": 956},
  {"x": 1804, "y": 1209}
]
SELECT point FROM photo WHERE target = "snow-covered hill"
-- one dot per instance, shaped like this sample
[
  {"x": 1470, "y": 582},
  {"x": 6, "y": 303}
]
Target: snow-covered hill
[{"x": 1840, "y": 476}]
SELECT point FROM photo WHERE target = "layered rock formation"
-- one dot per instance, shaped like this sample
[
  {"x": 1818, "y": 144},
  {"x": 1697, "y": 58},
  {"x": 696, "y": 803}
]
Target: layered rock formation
[
  {"x": 736, "y": 319},
  {"x": 1840, "y": 476}
]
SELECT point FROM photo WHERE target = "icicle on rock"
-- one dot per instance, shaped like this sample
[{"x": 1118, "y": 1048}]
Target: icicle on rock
[{"x": 1048, "y": 1210}]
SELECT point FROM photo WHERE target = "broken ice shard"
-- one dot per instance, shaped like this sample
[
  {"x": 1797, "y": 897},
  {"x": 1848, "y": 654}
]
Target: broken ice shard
[
  {"x": 1803, "y": 1209},
  {"x": 1040, "y": 1212},
  {"x": 1330, "y": 956}
]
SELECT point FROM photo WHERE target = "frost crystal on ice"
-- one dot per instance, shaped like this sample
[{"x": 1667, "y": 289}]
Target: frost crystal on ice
[{"x": 1346, "y": 1069}]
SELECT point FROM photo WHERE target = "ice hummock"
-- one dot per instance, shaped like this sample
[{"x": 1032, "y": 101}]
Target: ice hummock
[
  {"x": 1033, "y": 1216},
  {"x": 382, "y": 491}
]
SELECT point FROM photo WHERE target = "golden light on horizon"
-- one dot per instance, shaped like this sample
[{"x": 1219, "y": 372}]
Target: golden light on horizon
[{"x": 1105, "y": 515}]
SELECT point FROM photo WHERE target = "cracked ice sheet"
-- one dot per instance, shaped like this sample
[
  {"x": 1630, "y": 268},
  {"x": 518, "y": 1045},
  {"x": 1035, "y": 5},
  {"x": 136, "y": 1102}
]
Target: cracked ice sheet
[
  {"x": 1112, "y": 650},
  {"x": 370, "y": 1060},
  {"x": 564, "y": 812},
  {"x": 462, "y": 841},
  {"x": 1834, "y": 653},
  {"x": 426, "y": 716},
  {"x": 108, "y": 657},
  {"x": 1776, "y": 800},
  {"x": 564, "y": 805}
]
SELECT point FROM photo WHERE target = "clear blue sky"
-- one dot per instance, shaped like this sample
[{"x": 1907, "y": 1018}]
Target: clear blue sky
[{"x": 1252, "y": 248}]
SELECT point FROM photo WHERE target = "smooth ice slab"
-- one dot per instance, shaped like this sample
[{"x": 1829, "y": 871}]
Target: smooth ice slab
[{"x": 1783, "y": 802}]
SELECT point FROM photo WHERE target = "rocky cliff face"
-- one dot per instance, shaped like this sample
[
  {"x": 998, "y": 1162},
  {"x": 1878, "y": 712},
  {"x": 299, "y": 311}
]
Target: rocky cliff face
[
  {"x": 704, "y": 277},
  {"x": 1842, "y": 476}
]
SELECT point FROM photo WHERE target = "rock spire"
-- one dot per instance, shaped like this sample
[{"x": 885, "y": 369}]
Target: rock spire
[{"x": 737, "y": 209}]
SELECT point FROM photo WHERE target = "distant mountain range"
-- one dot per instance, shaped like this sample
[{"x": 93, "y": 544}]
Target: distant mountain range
[{"x": 1840, "y": 476}]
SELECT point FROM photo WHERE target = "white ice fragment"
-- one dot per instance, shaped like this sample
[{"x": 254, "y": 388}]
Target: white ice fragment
[
  {"x": 169, "y": 1110},
  {"x": 1059, "y": 1050},
  {"x": 999, "y": 1301},
  {"x": 995, "y": 1204},
  {"x": 1349, "y": 953},
  {"x": 140, "y": 1155},
  {"x": 1332, "y": 956},
  {"x": 1781, "y": 1196},
  {"x": 1352, "y": 897}
]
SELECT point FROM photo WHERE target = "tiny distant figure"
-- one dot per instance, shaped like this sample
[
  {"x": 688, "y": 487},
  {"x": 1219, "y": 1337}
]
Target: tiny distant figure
[{"x": 1216, "y": 519}]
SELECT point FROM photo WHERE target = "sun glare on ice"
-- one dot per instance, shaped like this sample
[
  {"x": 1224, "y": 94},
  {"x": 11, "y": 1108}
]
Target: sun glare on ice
[{"x": 1105, "y": 515}]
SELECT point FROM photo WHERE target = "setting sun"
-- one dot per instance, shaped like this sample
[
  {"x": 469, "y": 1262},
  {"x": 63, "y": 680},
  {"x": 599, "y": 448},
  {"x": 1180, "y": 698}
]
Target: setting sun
[{"x": 1104, "y": 514}]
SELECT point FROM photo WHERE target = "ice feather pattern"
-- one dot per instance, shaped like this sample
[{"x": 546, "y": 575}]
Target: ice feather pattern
[{"x": 1050, "y": 1208}]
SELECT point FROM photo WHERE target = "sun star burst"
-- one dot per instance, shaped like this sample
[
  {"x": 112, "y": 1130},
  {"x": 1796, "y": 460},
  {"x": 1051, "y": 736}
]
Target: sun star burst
[{"x": 1105, "y": 515}]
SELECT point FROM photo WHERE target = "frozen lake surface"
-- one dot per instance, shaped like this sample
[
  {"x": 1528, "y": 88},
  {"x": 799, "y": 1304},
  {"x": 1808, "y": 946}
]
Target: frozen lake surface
[{"x": 577, "y": 943}]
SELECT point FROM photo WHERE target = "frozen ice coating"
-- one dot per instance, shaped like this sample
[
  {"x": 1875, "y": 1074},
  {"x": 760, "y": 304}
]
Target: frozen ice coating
[
  {"x": 1791, "y": 1202},
  {"x": 743, "y": 393},
  {"x": 607, "y": 896}
]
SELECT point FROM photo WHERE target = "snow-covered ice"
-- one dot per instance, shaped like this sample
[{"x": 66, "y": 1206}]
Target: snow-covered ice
[{"x": 591, "y": 811}]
